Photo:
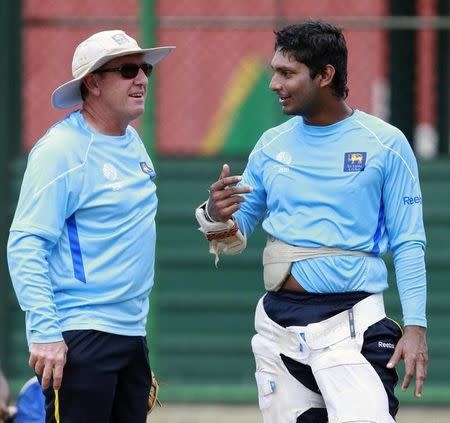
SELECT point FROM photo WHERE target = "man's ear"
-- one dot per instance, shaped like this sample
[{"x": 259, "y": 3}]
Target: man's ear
[
  {"x": 326, "y": 75},
  {"x": 91, "y": 83}
]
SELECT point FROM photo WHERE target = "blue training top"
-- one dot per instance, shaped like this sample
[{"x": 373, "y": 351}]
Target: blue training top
[
  {"x": 351, "y": 185},
  {"x": 82, "y": 244}
]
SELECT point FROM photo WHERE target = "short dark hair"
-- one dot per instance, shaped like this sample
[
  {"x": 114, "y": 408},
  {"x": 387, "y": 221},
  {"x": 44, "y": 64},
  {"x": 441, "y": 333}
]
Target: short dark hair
[{"x": 317, "y": 44}]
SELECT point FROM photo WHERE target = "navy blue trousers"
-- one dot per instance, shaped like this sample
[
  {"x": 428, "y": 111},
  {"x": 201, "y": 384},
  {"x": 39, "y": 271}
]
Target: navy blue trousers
[{"x": 106, "y": 379}]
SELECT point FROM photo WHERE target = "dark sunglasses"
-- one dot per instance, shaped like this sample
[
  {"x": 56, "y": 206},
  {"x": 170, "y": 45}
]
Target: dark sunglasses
[{"x": 129, "y": 70}]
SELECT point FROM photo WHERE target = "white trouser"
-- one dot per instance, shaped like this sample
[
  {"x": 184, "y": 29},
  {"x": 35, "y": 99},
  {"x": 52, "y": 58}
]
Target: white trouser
[{"x": 350, "y": 388}]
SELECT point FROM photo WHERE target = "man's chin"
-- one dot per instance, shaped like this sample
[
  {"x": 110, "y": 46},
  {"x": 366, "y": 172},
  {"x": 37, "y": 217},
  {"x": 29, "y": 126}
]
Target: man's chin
[
  {"x": 136, "y": 113},
  {"x": 288, "y": 111}
]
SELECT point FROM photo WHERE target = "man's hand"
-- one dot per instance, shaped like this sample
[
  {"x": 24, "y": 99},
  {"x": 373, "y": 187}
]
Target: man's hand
[
  {"x": 4, "y": 413},
  {"x": 224, "y": 197},
  {"x": 412, "y": 347},
  {"x": 4, "y": 397},
  {"x": 48, "y": 360}
]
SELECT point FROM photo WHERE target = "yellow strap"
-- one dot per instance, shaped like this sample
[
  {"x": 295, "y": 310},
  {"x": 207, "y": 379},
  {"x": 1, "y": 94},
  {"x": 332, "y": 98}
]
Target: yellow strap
[{"x": 56, "y": 405}]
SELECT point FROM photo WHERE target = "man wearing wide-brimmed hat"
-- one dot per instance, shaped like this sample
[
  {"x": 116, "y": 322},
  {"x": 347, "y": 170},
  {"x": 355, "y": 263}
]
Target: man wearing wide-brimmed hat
[{"x": 82, "y": 243}]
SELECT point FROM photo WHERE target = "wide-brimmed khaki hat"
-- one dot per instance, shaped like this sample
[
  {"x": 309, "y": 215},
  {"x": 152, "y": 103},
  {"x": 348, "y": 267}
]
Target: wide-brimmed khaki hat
[{"x": 95, "y": 52}]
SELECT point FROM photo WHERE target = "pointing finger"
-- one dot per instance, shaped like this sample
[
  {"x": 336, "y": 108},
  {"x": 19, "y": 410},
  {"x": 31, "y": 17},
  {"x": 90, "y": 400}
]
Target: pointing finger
[{"x": 225, "y": 171}]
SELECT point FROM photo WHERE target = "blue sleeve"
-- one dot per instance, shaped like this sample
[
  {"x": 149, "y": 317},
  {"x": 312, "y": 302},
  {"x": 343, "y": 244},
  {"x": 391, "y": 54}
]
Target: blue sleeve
[
  {"x": 45, "y": 201},
  {"x": 46, "y": 198},
  {"x": 404, "y": 223},
  {"x": 411, "y": 283},
  {"x": 254, "y": 206},
  {"x": 28, "y": 268}
]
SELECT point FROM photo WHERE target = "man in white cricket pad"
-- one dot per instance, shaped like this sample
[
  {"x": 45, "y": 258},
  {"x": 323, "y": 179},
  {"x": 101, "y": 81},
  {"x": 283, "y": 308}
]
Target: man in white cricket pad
[
  {"x": 336, "y": 188},
  {"x": 82, "y": 244}
]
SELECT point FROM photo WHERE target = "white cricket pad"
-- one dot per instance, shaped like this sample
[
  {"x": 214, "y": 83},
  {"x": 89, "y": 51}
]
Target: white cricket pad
[{"x": 350, "y": 388}]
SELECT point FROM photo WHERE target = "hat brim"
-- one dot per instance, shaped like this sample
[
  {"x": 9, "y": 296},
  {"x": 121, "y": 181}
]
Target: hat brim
[{"x": 68, "y": 94}]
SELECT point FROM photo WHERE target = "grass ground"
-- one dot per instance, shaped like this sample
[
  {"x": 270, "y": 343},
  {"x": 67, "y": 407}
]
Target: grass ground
[{"x": 198, "y": 413}]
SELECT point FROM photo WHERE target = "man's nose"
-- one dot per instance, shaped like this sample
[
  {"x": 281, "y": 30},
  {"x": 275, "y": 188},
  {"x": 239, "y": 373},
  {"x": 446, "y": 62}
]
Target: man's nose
[
  {"x": 274, "y": 84},
  {"x": 141, "y": 77}
]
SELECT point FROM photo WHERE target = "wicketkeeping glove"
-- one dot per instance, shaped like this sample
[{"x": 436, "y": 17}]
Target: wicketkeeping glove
[
  {"x": 153, "y": 396},
  {"x": 223, "y": 237}
]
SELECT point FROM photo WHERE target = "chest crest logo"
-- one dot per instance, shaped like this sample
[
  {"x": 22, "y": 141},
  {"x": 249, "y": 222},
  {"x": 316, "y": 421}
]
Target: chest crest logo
[
  {"x": 109, "y": 172},
  {"x": 147, "y": 169},
  {"x": 354, "y": 161},
  {"x": 284, "y": 157}
]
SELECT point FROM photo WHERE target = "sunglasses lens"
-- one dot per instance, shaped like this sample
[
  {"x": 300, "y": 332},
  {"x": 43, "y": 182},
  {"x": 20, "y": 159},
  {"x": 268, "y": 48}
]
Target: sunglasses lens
[
  {"x": 130, "y": 70},
  {"x": 146, "y": 68}
]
